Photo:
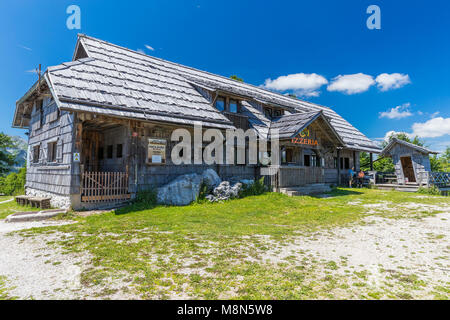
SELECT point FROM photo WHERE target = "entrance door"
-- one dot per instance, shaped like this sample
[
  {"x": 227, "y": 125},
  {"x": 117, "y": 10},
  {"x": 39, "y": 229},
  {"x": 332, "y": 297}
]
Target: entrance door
[{"x": 408, "y": 170}]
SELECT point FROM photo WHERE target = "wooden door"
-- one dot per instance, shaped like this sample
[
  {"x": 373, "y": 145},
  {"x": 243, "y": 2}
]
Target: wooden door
[{"x": 408, "y": 170}]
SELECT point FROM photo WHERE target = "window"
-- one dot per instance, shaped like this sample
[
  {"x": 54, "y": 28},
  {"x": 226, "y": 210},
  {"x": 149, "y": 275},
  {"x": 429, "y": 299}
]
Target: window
[
  {"x": 40, "y": 108},
  {"x": 51, "y": 151},
  {"x": 314, "y": 161},
  {"x": 289, "y": 155},
  {"x": 119, "y": 150},
  {"x": 36, "y": 153},
  {"x": 233, "y": 106},
  {"x": 109, "y": 152},
  {"x": 101, "y": 153},
  {"x": 345, "y": 163},
  {"x": 307, "y": 160},
  {"x": 220, "y": 103},
  {"x": 268, "y": 112},
  {"x": 335, "y": 163},
  {"x": 278, "y": 113}
]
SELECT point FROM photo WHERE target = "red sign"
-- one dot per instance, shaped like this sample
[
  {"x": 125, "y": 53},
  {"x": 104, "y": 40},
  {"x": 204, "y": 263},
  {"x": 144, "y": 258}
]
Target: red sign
[
  {"x": 135, "y": 134},
  {"x": 309, "y": 142}
]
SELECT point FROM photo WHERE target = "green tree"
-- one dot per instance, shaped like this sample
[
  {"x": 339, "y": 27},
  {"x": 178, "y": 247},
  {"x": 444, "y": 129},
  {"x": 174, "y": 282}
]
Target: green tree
[
  {"x": 7, "y": 160},
  {"x": 235, "y": 77},
  {"x": 13, "y": 183}
]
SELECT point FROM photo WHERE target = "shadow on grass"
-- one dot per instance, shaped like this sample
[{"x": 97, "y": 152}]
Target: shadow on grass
[{"x": 337, "y": 193}]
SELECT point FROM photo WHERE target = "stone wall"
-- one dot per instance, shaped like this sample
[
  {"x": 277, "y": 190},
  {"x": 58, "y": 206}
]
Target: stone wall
[{"x": 57, "y": 201}]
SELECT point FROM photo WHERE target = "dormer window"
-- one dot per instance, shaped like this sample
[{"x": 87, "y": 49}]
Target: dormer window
[
  {"x": 233, "y": 106},
  {"x": 220, "y": 103},
  {"x": 268, "y": 113},
  {"x": 278, "y": 113}
]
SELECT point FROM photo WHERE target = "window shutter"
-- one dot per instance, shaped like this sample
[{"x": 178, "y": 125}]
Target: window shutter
[
  {"x": 59, "y": 151},
  {"x": 43, "y": 154}
]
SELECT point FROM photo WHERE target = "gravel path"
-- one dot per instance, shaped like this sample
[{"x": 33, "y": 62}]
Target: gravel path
[
  {"x": 392, "y": 255},
  {"x": 7, "y": 201},
  {"x": 35, "y": 270}
]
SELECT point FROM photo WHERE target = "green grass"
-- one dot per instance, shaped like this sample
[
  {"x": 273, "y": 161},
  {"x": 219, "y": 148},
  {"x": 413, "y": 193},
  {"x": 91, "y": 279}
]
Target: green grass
[
  {"x": 214, "y": 250},
  {"x": 4, "y": 294},
  {"x": 11, "y": 207},
  {"x": 4, "y": 198}
]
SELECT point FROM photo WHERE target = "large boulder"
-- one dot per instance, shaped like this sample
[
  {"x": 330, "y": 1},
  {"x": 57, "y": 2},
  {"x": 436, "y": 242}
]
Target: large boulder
[
  {"x": 181, "y": 191},
  {"x": 211, "y": 179}
]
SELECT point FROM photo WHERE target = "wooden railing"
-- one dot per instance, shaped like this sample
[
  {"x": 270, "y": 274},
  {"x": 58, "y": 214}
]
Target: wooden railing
[
  {"x": 104, "y": 186},
  {"x": 439, "y": 179},
  {"x": 293, "y": 176}
]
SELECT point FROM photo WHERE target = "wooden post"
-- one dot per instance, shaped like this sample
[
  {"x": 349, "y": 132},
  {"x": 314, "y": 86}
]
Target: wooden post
[
  {"x": 339, "y": 165},
  {"x": 371, "y": 161}
]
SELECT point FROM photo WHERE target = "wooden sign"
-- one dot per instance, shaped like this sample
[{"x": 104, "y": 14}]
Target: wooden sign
[
  {"x": 305, "y": 139},
  {"x": 157, "y": 150}
]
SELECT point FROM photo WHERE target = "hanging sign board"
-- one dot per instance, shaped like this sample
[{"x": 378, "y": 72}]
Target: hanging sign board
[
  {"x": 304, "y": 138},
  {"x": 157, "y": 150},
  {"x": 76, "y": 157}
]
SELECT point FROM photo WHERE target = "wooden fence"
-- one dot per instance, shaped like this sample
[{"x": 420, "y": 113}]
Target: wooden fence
[
  {"x": 104, "y": 187},
  {"x": 292, "y": 176},
  {"x": 440, "y": 179}
]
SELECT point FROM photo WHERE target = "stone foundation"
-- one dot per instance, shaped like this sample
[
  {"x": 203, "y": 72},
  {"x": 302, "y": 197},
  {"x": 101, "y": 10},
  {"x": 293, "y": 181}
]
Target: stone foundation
[{"x": 57, "y": 201}]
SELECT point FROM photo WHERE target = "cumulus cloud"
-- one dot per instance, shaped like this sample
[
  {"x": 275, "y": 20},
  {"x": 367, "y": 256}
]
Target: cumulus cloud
[
  {"x": 435, "y": 127},
  {"x": 398, "y": 112},
  {"x": 387, "y": 81},
  {"x": 302, "y": 84},
  {"x": 394, "y": 133},
  {"x": 351, "y": 83}
]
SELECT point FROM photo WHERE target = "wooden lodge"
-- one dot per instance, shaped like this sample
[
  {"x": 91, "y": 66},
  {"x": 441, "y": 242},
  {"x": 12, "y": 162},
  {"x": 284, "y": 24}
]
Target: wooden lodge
[{"x": 100, "y": 127}]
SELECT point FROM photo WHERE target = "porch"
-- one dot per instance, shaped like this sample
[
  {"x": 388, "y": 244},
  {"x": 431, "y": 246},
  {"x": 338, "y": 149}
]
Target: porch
[{"x": 105, "y": 152}]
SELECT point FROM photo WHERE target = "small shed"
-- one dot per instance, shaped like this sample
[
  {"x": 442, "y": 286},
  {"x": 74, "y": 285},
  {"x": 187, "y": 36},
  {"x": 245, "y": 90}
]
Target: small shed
[{"x": 411, "y": 162}]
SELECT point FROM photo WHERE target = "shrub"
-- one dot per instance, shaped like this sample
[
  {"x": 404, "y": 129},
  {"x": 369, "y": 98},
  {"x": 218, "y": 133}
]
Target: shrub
[
  {"x": 433, "y": 190},
  {"x": 255, "y": 189},
  {"x": 146, "y": 199}
]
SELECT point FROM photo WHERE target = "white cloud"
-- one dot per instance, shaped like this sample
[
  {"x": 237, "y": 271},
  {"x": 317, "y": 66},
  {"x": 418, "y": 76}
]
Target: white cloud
[
  {"x": 149, "y": 48},
  {"x": 303, "y": 84},
  {"x": 26, "y": 48},
  {"x": 395, "y": 133},
  {"x": 434, "y": 115},
  {"x": 435, "y": 127},
  {"x": 351, "y": 83},
  {"x": 398, "y": 112},
  {"x": 387, "y": 81},
  {"x": 140, "y": 51}
]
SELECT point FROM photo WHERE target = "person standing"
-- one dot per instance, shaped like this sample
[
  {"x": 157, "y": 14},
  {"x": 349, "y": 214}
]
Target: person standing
[{"x": 351, "y": 174}]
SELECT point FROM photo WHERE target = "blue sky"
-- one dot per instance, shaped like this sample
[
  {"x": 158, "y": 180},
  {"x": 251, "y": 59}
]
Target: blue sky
[{"x": 322, "y": 50}]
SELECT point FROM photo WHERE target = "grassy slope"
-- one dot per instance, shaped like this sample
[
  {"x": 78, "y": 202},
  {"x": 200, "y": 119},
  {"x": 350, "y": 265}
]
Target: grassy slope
[{"x": 206, "y": 251}]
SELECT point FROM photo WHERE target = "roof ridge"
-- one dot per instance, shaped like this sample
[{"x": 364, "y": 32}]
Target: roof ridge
[{"x": 81, "y": 35}]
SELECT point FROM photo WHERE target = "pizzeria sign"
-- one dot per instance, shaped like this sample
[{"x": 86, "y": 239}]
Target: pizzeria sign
[{"x": 304, "y": 138}]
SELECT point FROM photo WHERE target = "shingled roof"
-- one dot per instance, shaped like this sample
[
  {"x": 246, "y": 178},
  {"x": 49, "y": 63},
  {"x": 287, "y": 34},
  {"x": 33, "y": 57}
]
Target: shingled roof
[
  {"x": 394, "y": 141},
  {"x": 109, "y": 79}
]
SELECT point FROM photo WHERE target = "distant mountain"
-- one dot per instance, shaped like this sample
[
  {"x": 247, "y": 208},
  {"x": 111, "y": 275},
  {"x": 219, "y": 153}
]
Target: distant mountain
[{"x": 20, "y": 151}]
